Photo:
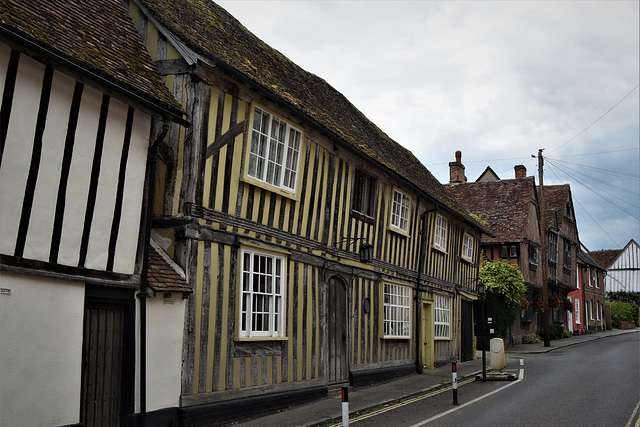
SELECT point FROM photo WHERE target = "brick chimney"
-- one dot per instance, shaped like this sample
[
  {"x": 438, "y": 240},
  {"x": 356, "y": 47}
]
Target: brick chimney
[
  {"x": 456, "y": 170},
  {"x": 521, "y": 171}
]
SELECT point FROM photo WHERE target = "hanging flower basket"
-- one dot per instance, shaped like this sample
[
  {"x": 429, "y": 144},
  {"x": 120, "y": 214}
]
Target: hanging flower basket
[
  {"x": 568, "y": 305},
  {"x": 554, "y": 302},
  {"x": 538, "y": 304},
  {"x": 525, "y": 304}
]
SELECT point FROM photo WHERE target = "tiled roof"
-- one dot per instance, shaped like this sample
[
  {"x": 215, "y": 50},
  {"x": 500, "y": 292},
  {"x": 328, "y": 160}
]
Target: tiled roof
[
  {"x": 97, "y": 36},
  {"x": 164, "y": 274},
  {"x": 605, "y": 257},
  {"x": 555, "y": 202},
  {"x": 503, "y": 204},
  {"x": 587, "y": 259},
  {"x": 212, "y": 32}
]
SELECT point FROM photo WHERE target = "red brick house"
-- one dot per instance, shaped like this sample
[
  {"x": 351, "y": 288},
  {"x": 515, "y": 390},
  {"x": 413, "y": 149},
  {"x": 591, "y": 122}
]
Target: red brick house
[{"x": 588, "y": 298}]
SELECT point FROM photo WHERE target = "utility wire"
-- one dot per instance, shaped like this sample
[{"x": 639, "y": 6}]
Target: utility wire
[
  {"x": 589, "y": 215},
  {"x": 592, "y": 178},
  {"x": 597, "y": 194},
  {"x": 603, "y": 171},
  {"x": 597, "y": 120},
  {"x": 566, "y": 171},
  {"x": 597, "y": 154}
]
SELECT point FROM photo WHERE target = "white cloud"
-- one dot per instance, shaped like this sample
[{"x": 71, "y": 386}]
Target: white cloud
[{"x": 497, "y": 80}]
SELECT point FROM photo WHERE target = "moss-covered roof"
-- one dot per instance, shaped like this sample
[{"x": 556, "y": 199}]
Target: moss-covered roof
[
  {"x": 212, "y": 32},
  {"x": 98, "y": 36},
  {"x": 504, "y": 204}
]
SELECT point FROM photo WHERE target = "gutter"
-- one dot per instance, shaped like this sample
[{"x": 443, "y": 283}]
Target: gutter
[{"x": 152, "y": 167}]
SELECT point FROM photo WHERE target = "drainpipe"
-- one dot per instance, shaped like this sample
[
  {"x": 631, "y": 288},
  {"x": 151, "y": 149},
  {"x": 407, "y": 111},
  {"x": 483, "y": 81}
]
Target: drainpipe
[
  {"x": 152, "y": 167},
  {"x": 423, "y": 242}
]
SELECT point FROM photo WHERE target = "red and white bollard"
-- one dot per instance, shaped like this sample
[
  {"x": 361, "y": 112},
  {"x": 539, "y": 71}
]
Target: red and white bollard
[
  {"x": 454, "y": 381},
  {"x": 345, "y": 406}
]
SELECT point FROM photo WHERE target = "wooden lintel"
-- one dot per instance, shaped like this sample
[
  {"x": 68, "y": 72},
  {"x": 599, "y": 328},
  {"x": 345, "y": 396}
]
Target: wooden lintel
[
  {"x": 208, "y": 234},
  {"x": 172, "y": 67},
  {"x": 63, "y": 272}
]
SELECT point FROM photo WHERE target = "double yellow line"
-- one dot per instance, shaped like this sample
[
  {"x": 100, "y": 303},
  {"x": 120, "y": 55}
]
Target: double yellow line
[{"x": 404, "y": 402}]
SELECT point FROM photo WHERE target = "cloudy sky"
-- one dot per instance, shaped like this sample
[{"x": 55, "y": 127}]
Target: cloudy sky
[{"x": 496, "y": 80}]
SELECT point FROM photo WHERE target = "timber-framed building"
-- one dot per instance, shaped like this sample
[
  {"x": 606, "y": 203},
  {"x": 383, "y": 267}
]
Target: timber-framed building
[
  {"x": 80, "y": 99},
  {"x": 265, "y": 202}
]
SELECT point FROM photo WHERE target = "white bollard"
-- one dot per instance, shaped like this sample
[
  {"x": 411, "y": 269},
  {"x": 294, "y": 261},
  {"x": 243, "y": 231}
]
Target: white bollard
[
  {"x": 345, "y": 406},
  {"x": 498, "y": 361}
]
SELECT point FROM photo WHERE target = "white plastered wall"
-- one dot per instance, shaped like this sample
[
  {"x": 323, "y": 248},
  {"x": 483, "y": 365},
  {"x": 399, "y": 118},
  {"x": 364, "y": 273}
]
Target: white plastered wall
[
  {"x": 165, "y": 323},
  {"x": 40, "y": 351}
]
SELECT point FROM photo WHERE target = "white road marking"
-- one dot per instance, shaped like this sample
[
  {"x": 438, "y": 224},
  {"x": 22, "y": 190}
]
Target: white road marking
[{"x": 520, "y": 378}]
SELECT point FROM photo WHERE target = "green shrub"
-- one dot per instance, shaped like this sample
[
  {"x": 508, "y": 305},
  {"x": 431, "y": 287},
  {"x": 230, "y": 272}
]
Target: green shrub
[
  {"x": 531, "y": 339},
  {"x": 621, "y": 311},
  {"x": 567, "y": 334},
  {"x": 556, "y": 331}
]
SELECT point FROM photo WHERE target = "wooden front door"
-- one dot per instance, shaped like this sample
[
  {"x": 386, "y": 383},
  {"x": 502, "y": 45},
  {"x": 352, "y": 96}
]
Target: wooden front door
[
  {"x": 427, "y": 325},
  {"x": 337, "y": 353},
  {"x": 104, "y": 364},
  {"x": 468, "y": 352}
]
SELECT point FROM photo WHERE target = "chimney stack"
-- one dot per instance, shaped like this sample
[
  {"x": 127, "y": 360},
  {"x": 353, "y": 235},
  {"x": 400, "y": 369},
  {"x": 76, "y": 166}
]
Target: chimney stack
[
  {"x": 521, "y": 171},
  {"x": 456, "y": 170}
]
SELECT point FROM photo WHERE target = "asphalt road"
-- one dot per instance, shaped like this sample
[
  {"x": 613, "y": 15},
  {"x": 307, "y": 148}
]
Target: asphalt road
[{"x": 592, "y": 384}]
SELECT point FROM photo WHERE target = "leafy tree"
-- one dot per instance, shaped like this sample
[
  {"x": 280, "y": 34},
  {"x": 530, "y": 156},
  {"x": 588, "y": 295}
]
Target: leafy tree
[
  {"x": 506, "y": 288},
  {"x": 632, "y": 297}
]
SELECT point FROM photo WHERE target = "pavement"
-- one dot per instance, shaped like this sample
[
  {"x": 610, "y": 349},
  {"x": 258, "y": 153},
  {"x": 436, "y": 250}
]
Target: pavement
[{"x": 328, "y": 411}]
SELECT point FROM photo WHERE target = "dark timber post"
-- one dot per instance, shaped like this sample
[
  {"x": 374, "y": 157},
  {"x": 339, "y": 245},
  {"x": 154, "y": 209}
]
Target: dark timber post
[{"x": 543, "y": 256}]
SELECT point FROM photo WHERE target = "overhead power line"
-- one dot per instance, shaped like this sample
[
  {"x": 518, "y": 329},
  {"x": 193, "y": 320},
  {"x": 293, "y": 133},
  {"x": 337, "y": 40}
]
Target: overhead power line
[
  {"x": 602, "y": 152},
  {"x": 577, "y": 180},
  {"x": 597, "y": 120},
  {"x": 589, "y": 215}
]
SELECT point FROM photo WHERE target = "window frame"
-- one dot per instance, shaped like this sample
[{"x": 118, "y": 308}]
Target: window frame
[
  {"x": 441, "y": 317},
  {"x": 277, "y": 310},
  {"x": 396, "y": 315},
  {"x": 440, "y": 229},
  {"x": 576, "y": 306},
  {"x": 261, "y": 146},
  {"x": 566, "y": 254},
  {"x": 534, "y": 255},
  {"x": 404, "y": 214},
  {"x": 509, "y": 252},
  {"x": 468, "y": 254},
  {"x": 552, "y": 256},
  {"x": 364, "y": 194}
]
